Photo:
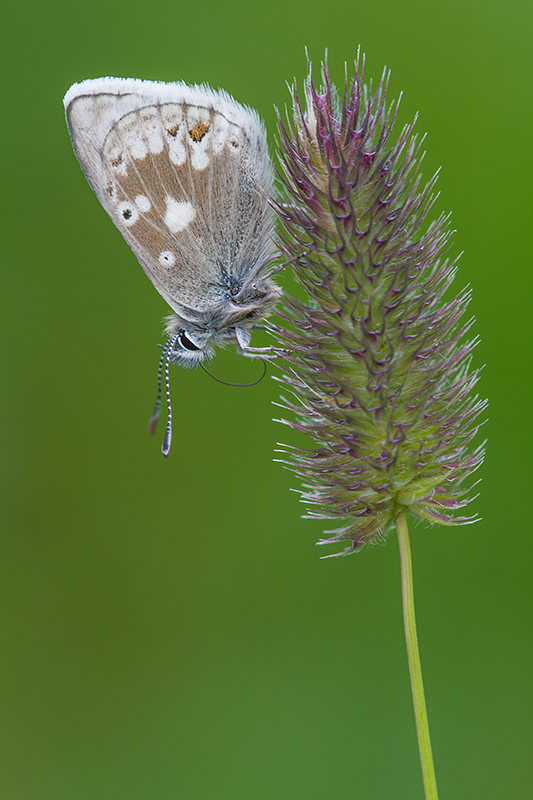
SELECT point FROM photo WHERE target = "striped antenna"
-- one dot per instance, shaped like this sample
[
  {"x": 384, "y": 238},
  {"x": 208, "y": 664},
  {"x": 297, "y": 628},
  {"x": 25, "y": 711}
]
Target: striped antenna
[
  {"x": 167, "y": 438},
  {"x": 152, "y": 422}
]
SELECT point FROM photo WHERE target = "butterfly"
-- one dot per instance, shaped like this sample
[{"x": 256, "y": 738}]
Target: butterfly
[{"x": 184, "y": 173}]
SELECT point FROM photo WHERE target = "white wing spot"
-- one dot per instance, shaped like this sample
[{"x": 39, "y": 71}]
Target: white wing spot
[
  {"x": 167, "y": 258},
  {"x": 199, "y": 159},
  {"x": 130, "y": 132},
  {"x": 116, "y": 157},
  {"x": 143, "y": 203},
  {"x": 151, "y": 128},
  {"x": 176, "y": 151},
  {"x": 199, "y": 137},
  {"x": 172, "y": 117},
  {"x": 128, "y": 213},
  {"x": 178, "y": 215},
  {"x": 220, "y": 132}
]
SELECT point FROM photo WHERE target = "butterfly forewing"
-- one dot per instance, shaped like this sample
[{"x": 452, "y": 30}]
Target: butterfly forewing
[{"x": 186, "y": 184}]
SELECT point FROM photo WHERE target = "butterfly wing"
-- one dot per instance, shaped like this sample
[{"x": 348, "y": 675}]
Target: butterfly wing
[{"x": 184, "y": 173}]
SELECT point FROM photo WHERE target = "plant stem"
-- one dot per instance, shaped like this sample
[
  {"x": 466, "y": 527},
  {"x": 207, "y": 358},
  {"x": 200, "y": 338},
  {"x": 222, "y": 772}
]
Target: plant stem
[{"x": 413, "y": 657}]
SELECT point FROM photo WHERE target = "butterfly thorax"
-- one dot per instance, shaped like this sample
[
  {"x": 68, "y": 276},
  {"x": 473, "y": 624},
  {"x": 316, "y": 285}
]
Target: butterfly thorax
[{"x": 198, "y": 332}]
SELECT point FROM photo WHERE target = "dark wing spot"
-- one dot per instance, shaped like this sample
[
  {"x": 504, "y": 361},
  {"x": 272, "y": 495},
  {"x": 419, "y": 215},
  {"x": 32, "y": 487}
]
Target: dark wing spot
[
  {"x": 173, "y": 131},
  {"x": 127, "y": 213},
  {"x": 198, "y": 131},
  {"x": 117, "y": 161}
]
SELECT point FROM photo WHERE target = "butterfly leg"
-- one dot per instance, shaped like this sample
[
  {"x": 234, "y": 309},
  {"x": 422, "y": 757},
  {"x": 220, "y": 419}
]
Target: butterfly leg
[{"x": 257, "y": 352}]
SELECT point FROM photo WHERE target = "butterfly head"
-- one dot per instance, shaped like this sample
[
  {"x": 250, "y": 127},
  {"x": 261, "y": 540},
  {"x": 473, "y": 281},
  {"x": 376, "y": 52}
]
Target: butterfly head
[
  {"x": 189, "y": 346},
  {"x": 192, "y": 344}
]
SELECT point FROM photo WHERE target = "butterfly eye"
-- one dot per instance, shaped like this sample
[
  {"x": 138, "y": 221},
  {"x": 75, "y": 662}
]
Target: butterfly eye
[{"x": 186, "y": 343}]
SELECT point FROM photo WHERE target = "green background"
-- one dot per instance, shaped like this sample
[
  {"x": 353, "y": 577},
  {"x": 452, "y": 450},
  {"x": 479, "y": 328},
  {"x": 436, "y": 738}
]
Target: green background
[{"x": 167, "y": 628}]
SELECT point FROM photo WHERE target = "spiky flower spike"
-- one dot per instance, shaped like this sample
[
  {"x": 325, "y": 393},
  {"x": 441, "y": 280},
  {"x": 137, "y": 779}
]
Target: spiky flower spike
[{"x": 375, "y": 358}]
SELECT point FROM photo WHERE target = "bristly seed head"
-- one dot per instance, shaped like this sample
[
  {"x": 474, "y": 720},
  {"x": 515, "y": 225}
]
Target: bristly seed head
[{"x": 375, "y": 358}]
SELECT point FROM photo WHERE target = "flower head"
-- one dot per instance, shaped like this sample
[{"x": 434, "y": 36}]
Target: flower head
[{"x": 375, "y": 357}]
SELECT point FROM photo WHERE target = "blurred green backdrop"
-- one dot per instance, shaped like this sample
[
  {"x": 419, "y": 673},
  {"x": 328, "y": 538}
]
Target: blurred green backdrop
[{"x": 168, "y": 630}]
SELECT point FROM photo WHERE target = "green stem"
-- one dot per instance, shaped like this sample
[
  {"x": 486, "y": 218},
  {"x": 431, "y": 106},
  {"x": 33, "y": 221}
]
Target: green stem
[{"x": 413, "y": 657}]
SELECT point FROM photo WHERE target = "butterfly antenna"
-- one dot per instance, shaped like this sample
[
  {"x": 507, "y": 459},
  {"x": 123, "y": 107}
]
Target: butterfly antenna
[
  {"x": 152, "y": 422},
  {"x": 167, "y": 439}
]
